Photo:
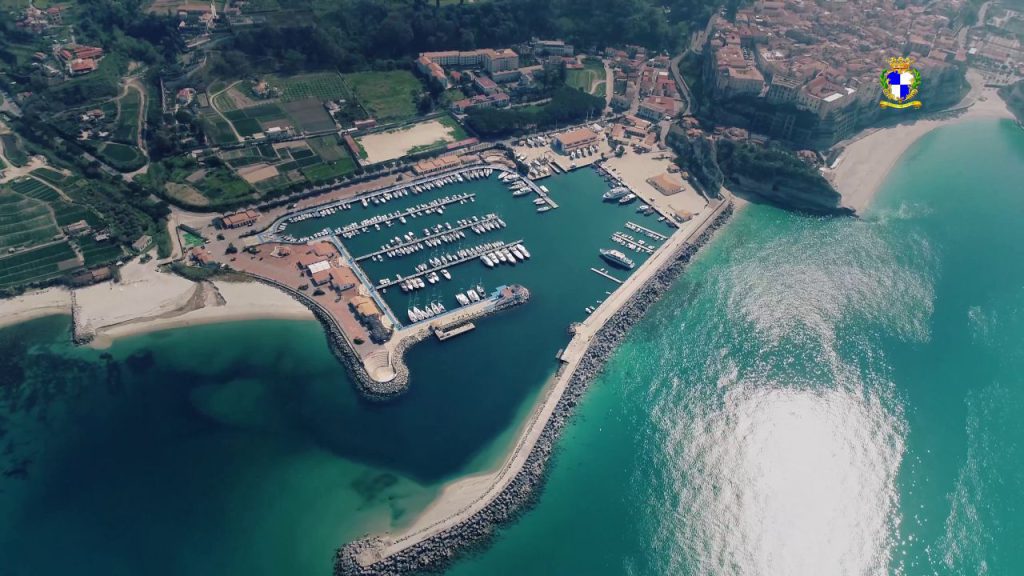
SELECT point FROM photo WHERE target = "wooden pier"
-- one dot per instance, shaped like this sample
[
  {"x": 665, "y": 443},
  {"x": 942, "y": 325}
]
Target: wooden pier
[{"x": 414, "y": 241}]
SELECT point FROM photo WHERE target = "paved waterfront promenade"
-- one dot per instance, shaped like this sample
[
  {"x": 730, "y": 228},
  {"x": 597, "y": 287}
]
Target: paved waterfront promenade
[{"x": 460, "y": 501}]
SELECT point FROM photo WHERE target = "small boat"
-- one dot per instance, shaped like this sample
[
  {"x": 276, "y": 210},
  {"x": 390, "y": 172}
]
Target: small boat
[
  {"x": 462, "y": 299},
  {"x": 487, "y": 261},
  {"x": 627, "y": 198},
  {"x": 522, "y": 248},
  {"x": 543, "y": 209},
  {"x": 447, "y": 275},
  {"x": 540, "y": 201},
  {"x": 473, "y": 296}
]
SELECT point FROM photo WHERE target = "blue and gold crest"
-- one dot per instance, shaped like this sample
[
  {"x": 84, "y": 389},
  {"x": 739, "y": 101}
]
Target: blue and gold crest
[{"x": 900, "y": 84}]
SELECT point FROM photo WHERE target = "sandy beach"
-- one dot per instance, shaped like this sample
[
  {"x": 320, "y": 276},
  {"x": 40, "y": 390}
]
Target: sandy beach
[
  {"x": 147, "y": 300},
  {"x": 32, "y": 305},
  {"x": 864, "y": 164}
]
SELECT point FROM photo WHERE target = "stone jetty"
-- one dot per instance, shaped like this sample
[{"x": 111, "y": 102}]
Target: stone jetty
[{"x": 436, "y": 551}]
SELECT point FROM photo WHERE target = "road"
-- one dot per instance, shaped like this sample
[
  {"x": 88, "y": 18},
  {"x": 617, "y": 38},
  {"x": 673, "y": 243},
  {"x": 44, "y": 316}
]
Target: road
[{"x": 684, "y": 90}]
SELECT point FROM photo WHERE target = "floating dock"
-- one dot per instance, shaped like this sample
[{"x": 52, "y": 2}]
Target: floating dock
[
  {"x": 646, "y": 231},
  {"x": 606, "y": 275},
  {"x": 447, "y": 332}
]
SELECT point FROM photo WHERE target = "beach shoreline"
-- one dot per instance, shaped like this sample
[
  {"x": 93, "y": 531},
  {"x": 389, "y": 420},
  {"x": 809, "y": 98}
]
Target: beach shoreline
[{"x": 869, "y": 157}]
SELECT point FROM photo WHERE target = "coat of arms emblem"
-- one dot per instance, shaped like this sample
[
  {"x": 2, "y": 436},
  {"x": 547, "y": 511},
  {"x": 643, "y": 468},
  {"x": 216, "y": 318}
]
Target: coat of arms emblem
[{"x": 900, "y": 84}]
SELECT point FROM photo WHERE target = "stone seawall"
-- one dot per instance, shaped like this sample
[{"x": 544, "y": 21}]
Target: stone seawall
[{"x": 438, "y": 551}]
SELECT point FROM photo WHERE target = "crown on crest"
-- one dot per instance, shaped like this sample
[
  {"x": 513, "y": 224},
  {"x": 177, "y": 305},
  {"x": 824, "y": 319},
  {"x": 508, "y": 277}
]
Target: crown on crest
[{"x": 900, "y": 64}]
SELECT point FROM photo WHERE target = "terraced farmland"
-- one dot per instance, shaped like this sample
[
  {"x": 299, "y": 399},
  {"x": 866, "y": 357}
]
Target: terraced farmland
[
  {"x": 24, "y": 222},
  {"x": 38, "y": 265}
]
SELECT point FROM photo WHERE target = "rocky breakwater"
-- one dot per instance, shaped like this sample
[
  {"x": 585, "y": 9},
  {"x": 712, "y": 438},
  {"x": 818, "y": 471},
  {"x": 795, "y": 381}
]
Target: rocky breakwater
[{"x": 436, "y": 552}]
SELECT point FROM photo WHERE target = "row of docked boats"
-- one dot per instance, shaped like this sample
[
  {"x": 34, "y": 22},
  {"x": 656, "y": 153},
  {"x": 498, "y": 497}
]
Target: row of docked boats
[
  {"x": 412, "y": 284},
  {"x": 380, "y": 198},
  {"x": 438, "y": 235},
  {"x": 435, "y": 206},
  {"x": 428, "y": 311},
  {"x": 505, "y": 255},
  {"x": 470, "y": 296},
  {"x": 458, "y": 256},
  {"x": 632, "y": 243}
]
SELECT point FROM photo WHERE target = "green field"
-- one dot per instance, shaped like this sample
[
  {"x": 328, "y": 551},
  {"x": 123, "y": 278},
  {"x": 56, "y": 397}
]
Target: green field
[
  {"x": 320, "y": 86},
  {"x": 122, "y": 157},
  {"x": 52, "y": 176},
  {"x": 34, "y": 266},
  {"x": 218, "y": 130},
  {"x": 326, "y": 172},
  {"x": 96, "y": 253},
  {"x": 588, "y": 78},
  {"x": 127, "y": 127},
  {"x": 13, "y": 149},
  {"x": 248, "y": 121},
  {"x": 328, "y": 148},
  {"x": 386, "y": 95},
  {"x": 221, "y": 185}
]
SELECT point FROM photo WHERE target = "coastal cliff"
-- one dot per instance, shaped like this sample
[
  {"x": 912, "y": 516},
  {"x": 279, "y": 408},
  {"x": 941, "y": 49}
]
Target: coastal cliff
[
  {"x": 773, "y": 174},
  {"x": 1013, "y": 95}
]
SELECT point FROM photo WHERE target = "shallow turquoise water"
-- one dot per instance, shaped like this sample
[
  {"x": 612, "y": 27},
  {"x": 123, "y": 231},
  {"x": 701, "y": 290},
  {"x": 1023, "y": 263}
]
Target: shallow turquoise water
[{"x": 815, "y": 396}]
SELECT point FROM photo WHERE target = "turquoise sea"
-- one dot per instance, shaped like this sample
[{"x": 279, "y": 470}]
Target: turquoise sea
[{"x": 814, "y": 396}]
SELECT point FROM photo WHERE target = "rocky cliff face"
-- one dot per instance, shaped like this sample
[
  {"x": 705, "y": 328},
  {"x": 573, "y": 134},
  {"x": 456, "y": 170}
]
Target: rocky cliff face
[
  {"x": 1013, "y": 95},
  {"x": 697, "y": 155},
  {"x": 790, "y": 193}
]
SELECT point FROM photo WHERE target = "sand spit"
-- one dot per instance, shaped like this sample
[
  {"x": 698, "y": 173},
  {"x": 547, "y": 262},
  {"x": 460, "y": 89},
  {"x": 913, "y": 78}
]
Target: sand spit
[{"x": 468, "y": 524}]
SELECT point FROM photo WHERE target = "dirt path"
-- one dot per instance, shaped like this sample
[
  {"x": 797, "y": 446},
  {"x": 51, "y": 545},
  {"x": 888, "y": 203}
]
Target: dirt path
[{"x": 213, "y": 104}]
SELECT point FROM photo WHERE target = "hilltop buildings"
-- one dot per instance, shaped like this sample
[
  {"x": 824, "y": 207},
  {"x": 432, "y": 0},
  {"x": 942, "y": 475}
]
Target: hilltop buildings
[{"x": 824, "y": 58}]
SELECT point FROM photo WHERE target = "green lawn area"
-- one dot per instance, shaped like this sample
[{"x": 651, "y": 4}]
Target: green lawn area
[
  {"x": 386, "y": 95},
  {"x": 587, "y": 78},
  {"x": 320, "y": 86},
  {"x": 248, "y": 121},
  {"x": 38, "y": 265}
]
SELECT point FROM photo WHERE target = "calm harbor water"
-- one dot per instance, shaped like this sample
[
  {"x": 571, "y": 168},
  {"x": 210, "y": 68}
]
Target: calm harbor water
[{"x": 815, "y": 396}]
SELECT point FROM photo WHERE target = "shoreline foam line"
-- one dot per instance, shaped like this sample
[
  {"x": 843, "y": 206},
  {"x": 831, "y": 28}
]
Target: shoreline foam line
[{"x": 431, "y": 542}]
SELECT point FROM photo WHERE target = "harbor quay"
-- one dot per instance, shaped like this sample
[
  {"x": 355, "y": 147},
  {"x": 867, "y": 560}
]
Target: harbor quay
[
  {"x": 468, "y": 512},
  {"x": 434, "y": 254}
]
